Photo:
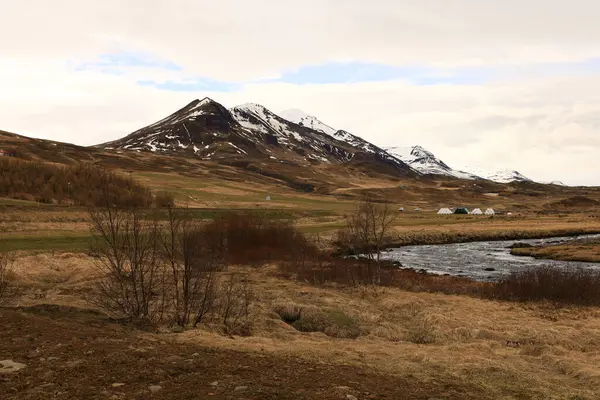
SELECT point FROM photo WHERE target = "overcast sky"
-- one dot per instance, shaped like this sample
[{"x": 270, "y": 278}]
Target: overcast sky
[{"x": 489, "y": 84}]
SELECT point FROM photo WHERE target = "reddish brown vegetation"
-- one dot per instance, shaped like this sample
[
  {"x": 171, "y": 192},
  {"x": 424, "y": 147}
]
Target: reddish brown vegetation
[
  {"x": 79, "y": 184},
  {"x": 253, "y": 239},
  {"x": 579, "y": 286}
]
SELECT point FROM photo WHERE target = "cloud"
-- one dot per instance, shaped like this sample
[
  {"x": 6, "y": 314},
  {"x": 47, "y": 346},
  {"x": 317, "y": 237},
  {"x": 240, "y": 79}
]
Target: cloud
[
  {"x": 118, "y": 62},
  {"x": 191, "y": 85},
  {"x": 352, "y": 72},
  {"x": 511, "y": 84},
  {"x": 240, "y": 41}
]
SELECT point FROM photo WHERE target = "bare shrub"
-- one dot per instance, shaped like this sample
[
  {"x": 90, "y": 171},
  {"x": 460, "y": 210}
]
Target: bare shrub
[
  {"x": 361, "y": 272},
  {"x": 7, "y": 290},
  {"x": 128, "y": 262},
  {"x": 166, "y": 272},
  {"x": 580, "y": 286},
  {"x": 234, "y": 299},
  {"x": 192, "y": 266}
]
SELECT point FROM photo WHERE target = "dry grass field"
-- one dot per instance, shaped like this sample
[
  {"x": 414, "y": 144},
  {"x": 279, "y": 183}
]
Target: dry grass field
[{"x": 403, "y": 344}]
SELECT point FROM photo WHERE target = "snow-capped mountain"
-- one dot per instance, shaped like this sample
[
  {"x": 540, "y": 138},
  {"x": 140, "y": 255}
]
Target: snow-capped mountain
[
  {"x": 426, "y": 163},
  {"x": 208, "y": 130},
  {"x": 417, "y": 157}
]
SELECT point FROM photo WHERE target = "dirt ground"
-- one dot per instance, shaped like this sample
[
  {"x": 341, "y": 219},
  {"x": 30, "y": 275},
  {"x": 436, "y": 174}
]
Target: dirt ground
[{"x": 78, "y": 354}]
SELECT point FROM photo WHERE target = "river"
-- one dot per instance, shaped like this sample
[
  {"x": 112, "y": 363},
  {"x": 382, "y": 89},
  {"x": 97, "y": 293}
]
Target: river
[{"x": 485, "y": 261}]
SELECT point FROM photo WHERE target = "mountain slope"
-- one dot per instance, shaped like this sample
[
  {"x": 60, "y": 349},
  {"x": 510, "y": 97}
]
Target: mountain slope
[
  {"x": 301, "y": 118},
  {"x": 207, "y": 130},
  {"x": 418, "y": 158},
  {"x": 202, "y": 128}
]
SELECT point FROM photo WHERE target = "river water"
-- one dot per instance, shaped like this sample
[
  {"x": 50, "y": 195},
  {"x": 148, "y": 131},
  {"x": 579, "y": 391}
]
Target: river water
[{"x": 477, "y": 259}]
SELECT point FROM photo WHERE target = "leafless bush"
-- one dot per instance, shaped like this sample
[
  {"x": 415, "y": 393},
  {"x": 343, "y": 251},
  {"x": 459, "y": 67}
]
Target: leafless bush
[
  {"x": 193, "y": 264},
  {"x": 234, "y": 299},
  {"x": 360, "y": 272},
  {"x": 165, "y": 272},
  {"x": 7, "y": 290},
  {"x": 579, "y": 286},
  {"x": 289, "y": 312},
  {"x": 128, "y": 262}
]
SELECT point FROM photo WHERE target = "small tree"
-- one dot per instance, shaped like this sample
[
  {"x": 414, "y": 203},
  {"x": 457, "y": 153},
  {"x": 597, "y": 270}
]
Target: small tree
[{"x": 366, "y": 230}]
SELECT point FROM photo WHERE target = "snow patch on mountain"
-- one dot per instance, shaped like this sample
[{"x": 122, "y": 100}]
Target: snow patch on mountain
[
  {"x": 256, "y": 117},
  {"x": 426, "y": 162},
  {"x": 500, "y": 176},
  {"x": 507, "y": 176},
  {"x": 301, "y": 118}
]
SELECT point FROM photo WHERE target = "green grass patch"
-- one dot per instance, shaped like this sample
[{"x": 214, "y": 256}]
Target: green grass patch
[
  {"x": 15, "y": 202},
  {"x": 332, "y": 322},
  {"x": 75, "y": 243},
  {"x": 270, "y": 213}
]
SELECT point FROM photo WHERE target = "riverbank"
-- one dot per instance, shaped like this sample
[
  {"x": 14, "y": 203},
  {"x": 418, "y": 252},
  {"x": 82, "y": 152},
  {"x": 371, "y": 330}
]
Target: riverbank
[
  {"x": 586, "y": 250},
  {"x": 414, "y": 238}
]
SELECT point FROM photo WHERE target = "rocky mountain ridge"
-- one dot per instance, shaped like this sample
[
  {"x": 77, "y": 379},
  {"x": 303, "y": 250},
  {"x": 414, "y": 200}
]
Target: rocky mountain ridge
[{"x": 209, "y": 131}]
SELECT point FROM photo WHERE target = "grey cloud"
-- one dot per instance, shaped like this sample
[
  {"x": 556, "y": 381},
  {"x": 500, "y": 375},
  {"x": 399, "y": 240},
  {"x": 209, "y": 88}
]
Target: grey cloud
[{"x": 236, "y": 40}]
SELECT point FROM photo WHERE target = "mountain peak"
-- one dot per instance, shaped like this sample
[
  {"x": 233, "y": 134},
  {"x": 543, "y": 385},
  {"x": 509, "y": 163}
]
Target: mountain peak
[
  {"x": 294, "y": 114},
  {"x": 199, "y": 103},
  {"x": 299, "y": 117}
]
